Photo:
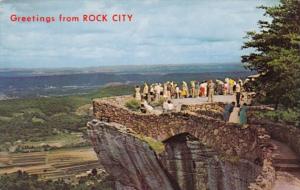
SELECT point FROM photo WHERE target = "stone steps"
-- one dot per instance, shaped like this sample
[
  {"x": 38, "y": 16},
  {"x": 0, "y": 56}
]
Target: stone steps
[
  {"x": 286, "y": 161},
  {"x": 287, "y": 167},
  {"x": 296, "y": 174}
]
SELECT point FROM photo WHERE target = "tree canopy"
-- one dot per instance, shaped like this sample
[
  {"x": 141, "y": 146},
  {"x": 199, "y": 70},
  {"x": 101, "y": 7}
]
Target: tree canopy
[
  {"x": 276, "y": 54},
  {"x": 23, "y": 181}
]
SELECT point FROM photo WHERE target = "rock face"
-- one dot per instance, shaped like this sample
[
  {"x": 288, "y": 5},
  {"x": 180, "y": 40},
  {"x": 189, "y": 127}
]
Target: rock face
[
  {"x": 196, "y": 167},
  {"x": 132, "y": 163},
  {"x": 189, "y": 162},
  {"x": 186, "y": 164}
]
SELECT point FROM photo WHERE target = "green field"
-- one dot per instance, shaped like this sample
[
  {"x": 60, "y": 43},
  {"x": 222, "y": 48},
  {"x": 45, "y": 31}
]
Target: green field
[
  {"x": 67, "y": 169},
  {"x": 37, "y": 120}
]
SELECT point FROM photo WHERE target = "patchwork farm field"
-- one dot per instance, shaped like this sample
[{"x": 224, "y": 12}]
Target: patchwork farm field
[
  {"x": 66, "y": 163},
  {"x": 46, "y": 136}
]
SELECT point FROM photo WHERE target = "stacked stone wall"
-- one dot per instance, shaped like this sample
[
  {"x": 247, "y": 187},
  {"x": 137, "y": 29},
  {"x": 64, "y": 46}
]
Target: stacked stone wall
[
  {"x": 282, "y": 132},
  {"x": 214, "y": 110},
  {"x": 230, "y": 140}
]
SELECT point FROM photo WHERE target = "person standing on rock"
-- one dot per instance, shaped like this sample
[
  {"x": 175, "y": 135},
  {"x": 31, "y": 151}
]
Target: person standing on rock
[
  {"x": 228, "y": 110},
  {"x": 193, "y": 89},
  {"x": 243, "y": 115},
  {"x": 169, "y": 90},
  {"x": 197, "y": 89},
  {"x": 205, "y": 88},
  {"x": 231, "y": 84},
  {"x": 146, "y": 92},
  {"x": 173, "y": 90},
  {"x": 201, "y": 93},
  {"x": 178, "y": 92},
  {"x": 137, "y": 93},
  {"x": 238, "y": 93},
  {"x": 185, "y": 90},
  {"x": 210, "y": 90},
  {"x": 165, "y": 90},
  {"x": 225, "y": 88},
  {"x": 157, "y": 90}
]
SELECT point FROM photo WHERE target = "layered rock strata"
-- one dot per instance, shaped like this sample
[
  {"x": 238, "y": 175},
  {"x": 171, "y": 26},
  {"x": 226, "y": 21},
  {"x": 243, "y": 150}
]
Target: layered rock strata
[
  {"x": 191, "y": 164},
  {"x": 132, "y": 163},
  {"x": 195, "y": 166},
  {"x": 186, "y": 164}
]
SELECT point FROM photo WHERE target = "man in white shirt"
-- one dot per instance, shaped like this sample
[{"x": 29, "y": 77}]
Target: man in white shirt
[{"x": 168, "y": 106}]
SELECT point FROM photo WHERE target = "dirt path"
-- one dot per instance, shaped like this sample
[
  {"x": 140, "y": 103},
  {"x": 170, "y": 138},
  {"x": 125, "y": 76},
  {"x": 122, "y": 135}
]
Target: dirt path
[
  {"x": 287, "y": 165},
  {"x": 285, "y": 181}
]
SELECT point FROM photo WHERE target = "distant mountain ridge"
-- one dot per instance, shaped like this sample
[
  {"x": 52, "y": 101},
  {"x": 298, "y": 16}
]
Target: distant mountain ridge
[
  {"x": 57, "y": 85},
  {"x": 22, "y": 83},
  {"x": 125, "y": 69}
]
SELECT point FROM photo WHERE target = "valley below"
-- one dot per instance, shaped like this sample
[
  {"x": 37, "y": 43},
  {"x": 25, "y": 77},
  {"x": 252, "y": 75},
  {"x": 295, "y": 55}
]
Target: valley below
[{"x": 65, "y": 163}]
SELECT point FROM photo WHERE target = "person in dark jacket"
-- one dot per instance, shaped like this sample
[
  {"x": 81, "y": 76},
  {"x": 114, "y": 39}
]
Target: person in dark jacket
[{"x": 227, "y": 111}]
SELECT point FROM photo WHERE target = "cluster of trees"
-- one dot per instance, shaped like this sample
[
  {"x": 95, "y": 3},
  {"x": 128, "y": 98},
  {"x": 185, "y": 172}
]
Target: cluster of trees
[
  {"x": 36, "y": 125},
  {"x": 277, "y": 55},
  {"x": 36, "y": 118},
  {"x": 23, "y": 181}
]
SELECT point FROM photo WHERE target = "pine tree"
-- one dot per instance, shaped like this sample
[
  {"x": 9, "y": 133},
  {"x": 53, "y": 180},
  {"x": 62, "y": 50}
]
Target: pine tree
[{"x": 276, "y": 55}]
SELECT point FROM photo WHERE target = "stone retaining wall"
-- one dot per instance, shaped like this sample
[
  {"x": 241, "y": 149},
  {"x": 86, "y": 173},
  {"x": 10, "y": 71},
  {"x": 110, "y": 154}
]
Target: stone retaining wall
[
  {"x": 214, "y": 110},
  {"x": 266, "y": 179},
  {"x": 285, "y": 133},
  {"x": 251, "y": 143},
  {"x": 226, "y": 138},
  {"x": 281, "y": 132}
]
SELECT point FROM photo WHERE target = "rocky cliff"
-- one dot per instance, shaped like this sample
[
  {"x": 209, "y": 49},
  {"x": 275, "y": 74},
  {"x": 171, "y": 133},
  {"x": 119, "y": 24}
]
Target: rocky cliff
[
  {"x": 186, "y": 164},
  {"x": 195, "y": 166},
  {"x": 132, "y": 163},
  {"x": 201, "y": 152}
]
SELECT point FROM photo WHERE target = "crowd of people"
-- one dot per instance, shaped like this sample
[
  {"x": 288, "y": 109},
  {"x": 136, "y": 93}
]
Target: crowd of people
[{"x": 171, "y": 90}]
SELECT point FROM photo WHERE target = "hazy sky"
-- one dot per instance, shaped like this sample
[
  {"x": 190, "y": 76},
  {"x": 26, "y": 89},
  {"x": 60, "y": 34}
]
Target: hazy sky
[{"x": 162, "y": 32}]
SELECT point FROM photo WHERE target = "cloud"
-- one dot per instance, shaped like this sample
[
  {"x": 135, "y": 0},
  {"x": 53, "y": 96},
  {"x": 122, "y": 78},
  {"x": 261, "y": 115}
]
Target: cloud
[{"x": 162, "y": 32}]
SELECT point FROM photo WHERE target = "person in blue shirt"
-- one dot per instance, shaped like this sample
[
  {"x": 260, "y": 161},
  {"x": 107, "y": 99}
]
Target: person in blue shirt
[
  {"x": 227, "y": 111},
  {"x": 243, "y": 114}
]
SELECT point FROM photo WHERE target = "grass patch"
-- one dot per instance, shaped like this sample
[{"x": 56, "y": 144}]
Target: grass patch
[
  {"x": 83, "y": 110},
  {"x": 133, "y": 104},
  {"x": 290, "y": 116},
  {"x": 5, "y": 119},
  {"x": 61, "y": 139},
  {"x": 158, "y": 102},
  {"x": 157, "y": 146},
  {"x": 230, "y": 158}
]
